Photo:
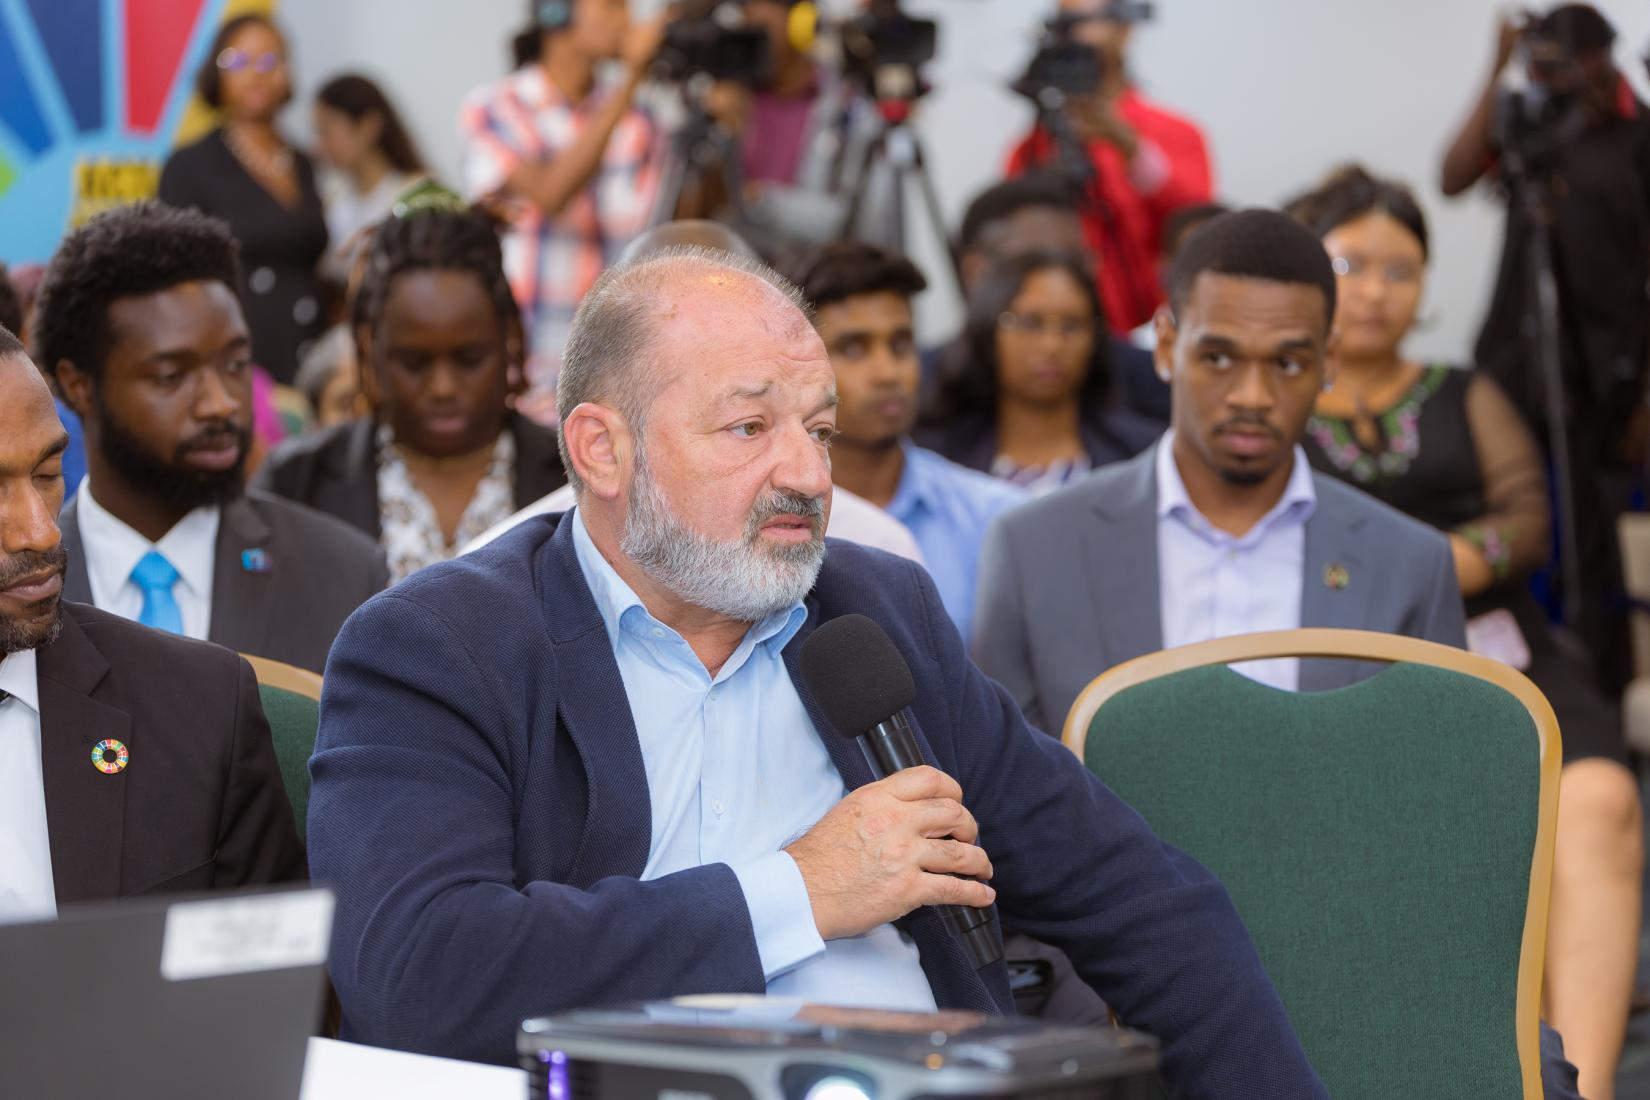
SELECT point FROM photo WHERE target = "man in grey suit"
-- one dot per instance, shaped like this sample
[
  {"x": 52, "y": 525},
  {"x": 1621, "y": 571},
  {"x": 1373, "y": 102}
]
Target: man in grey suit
[
  {"x": 1222, "y": 528},
  {"x": 139, "y": 320}
]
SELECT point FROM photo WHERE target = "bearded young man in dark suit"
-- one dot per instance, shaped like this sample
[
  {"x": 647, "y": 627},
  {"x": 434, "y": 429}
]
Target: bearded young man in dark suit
[
  {"x": 136, "y": 762},
  {"x": 619, "y": 789},
  {"x": 139, "y": 319}
]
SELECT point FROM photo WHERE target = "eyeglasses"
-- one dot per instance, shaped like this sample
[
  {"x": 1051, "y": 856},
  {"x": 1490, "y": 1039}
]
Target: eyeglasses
[
  {"x": 1401, "y": 272},
  {"x": 232, "y": 60},
  {"x": 1033, "y": 324}
]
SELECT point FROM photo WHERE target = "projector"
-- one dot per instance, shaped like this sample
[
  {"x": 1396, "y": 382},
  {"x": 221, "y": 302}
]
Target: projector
[{"x": 755, "y": 1048}]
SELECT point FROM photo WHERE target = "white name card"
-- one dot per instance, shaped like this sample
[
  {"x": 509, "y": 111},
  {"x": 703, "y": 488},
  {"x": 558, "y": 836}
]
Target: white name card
[{"x": 207, "y": 939}]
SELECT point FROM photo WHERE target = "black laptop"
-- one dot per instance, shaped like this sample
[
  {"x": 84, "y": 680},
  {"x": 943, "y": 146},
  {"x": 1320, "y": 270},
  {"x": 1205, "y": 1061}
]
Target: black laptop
[{"x": 190, "y": 996}]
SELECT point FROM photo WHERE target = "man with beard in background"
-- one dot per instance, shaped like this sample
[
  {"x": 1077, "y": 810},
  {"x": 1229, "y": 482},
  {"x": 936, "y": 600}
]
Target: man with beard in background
[
  {"x": 140, "y": 321},
  {"x": 135, "y": 762}
]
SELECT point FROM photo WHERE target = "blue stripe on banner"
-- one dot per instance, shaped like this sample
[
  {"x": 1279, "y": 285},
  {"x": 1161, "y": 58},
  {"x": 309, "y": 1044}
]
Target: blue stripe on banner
[
  {"x": 71, "y": 32},
  {"x": 20, "y": 109}
]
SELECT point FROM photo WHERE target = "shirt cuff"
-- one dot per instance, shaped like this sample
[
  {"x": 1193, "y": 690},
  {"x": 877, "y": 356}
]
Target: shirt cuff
[{"x": 781, "y": 915}]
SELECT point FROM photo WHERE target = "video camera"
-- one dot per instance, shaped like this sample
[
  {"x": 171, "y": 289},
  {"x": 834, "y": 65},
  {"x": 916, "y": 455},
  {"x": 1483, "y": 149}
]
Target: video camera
[
  {"x": 1065, "y": 66},
  {"x": 883, "y": 51},
  {"x": 708, "y": 39},
  {"x": 1535, "y": 123}
]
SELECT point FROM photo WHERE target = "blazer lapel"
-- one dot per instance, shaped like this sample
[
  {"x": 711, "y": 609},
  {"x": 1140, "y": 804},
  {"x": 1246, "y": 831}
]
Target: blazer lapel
[
  {"x": 1122, "y": 565},
  {"x": 538, "y": 462},
  {"x": 595, "y": 711},
  {"x": 77, "y": 581},
  {"x": 352, "y": 469},
  {"x": 85, "y": 807},
  {"x": 244, "y": 575},
  {"x": 1336, "y": 583}
]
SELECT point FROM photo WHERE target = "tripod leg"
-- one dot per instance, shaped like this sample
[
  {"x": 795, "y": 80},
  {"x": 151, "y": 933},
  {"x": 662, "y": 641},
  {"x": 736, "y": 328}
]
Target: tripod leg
[
  {"x": 931, "y": 201},
  {"x": 874, "y": 152}
]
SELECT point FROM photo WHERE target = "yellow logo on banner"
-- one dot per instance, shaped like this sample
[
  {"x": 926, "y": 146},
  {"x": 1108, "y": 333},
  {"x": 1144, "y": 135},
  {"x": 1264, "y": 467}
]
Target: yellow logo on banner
[{"x": 103, "y": 183}]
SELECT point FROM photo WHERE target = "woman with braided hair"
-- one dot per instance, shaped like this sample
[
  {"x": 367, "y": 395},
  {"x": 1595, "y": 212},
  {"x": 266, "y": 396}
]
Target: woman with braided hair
[{"x": 443, "y": 456}]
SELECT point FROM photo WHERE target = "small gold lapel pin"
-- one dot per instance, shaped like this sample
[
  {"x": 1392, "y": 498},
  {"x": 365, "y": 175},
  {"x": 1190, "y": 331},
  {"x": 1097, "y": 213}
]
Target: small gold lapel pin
[{"x": 1336, "y": 576}]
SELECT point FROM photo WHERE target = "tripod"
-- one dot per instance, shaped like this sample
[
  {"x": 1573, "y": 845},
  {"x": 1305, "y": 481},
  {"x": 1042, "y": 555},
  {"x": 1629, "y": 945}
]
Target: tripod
[
  {"x": 897, "y": 146},
  {"x": 702, "y": 156},
  {"x": 1533, "y": 190}
]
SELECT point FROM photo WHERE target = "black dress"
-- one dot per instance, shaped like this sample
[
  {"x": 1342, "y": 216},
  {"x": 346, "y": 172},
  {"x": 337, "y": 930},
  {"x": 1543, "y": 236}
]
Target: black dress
[
  {"x": 281, "y": 246},
  {"x": 1429, "y": 467}
]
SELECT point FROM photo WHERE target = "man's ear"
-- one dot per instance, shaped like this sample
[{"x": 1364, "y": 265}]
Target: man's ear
[
  {"x": 601, "y": 448},
  {"x": 76, "y": 386},
  {"x": 1163, "y": 325},
  {"x": 1331, "y": 359}
]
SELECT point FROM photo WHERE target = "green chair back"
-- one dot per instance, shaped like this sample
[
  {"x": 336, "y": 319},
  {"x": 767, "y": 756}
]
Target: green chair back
[
  {"x": 1379, "y": 842},
  {"x": 291, "y": 699}
]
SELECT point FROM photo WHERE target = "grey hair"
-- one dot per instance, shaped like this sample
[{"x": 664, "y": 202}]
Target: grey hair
[{"x": 611, "y": 342}]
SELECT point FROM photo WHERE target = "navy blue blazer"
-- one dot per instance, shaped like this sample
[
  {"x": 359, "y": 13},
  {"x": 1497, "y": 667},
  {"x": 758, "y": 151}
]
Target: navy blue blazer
[{"x": 480, "y": 805}]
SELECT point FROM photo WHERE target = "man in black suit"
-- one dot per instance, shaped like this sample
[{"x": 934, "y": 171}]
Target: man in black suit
[
  {"x": 444, "y": 458},
  {"x": 140, "y": 321},
  {"x": 135, "y": 762}
]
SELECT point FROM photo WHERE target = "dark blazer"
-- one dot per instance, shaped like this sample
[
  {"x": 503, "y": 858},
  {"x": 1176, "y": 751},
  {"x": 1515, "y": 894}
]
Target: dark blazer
[
  {"x": 281, "y": 245},
  {"x": 336, "y": 471},
  {"x": 200, "y": 804},
  {"x": 487, "y": 868},
  {"x": 286, "y": 604},
  {"x": 1069, "y": 584}
]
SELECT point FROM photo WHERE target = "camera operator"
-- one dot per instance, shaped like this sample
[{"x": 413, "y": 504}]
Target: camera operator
[
  {"x": 571, "y": 161},
  {"x": 1147, "y": 162},
  {"x": 1578, "y": 135}
]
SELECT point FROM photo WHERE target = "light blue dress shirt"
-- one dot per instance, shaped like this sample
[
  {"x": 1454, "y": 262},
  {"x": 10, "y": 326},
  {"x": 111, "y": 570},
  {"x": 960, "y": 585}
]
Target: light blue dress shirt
[
  {"x": 948, "y": 508},
  {"x": 1214, "y": 584},
  {"x": 735, "y": 772}
]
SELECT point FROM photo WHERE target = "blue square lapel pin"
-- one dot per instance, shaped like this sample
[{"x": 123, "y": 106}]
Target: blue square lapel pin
[{"x": 255, "y": 560}]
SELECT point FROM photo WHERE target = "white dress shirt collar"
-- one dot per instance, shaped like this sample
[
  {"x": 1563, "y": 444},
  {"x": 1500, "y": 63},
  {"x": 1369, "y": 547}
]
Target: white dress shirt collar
[
  {"x": 113, "y": 549},
  {"x": 1299, "y": 500},
  {"x": 18, "y": 679}
]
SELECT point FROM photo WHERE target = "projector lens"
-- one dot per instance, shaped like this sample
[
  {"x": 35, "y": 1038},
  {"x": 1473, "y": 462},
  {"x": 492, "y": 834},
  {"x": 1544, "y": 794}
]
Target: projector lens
[{"x": 837, "y": 1088}]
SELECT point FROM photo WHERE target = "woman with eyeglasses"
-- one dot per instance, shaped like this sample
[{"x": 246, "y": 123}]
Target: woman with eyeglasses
[
  {"x": 246, "y": 173},
  {"x": 1026, "y": 392},
  {"x": 1448, "y": 447}
]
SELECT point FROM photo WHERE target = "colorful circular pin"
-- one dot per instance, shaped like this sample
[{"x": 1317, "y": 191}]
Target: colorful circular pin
[
  {"x": 1336, "y": 576},
  {"x": 110, "y": 757}
]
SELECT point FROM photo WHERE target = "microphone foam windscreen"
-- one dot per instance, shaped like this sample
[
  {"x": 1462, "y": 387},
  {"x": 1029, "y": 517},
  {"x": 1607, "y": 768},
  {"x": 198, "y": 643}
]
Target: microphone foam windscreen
[{"x": 856, "y": 674}]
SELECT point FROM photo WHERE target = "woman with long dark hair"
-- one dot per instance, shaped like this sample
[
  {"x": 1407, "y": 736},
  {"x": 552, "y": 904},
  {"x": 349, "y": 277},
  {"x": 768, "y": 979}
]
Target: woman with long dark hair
[
  {"x": 360, "y": 136},
  {"x": 1448, "y": 447},
  {"x": 1026, "y": 391},
  {"x": 248, "y": 174}
]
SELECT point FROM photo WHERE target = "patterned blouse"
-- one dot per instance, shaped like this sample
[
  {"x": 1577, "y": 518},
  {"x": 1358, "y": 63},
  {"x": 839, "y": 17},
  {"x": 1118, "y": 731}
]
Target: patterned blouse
[{"x": 409, "y": 531}]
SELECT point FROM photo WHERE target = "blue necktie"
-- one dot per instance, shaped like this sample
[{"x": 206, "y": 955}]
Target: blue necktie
[{"x": 155, "y": 576}]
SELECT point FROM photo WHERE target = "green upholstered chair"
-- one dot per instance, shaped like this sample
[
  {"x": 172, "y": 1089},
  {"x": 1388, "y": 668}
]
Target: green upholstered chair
[
  {"x": 1389, "y": 845},
  {"x": 291, "y": 700}
]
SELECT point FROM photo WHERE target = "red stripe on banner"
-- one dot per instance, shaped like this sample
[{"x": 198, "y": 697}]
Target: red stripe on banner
[{"x": 157, "y": 34}]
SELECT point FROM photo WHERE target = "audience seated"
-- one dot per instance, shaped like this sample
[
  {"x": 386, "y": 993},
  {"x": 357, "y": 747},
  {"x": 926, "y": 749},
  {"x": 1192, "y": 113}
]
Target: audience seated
[
  {"x": 1027, "y": 394},
  {"x": 443, "y": 458},
  {"x": 135, "y": 762},
  {"x": 862, "y": 301},
  {"x": 1449, "y": 448},
  {"x": 1039, "y": 214},
  {"x": 618, "y": 792},
  {"x": 248, "y": 174},
  {"x": 139, "y": 319}
]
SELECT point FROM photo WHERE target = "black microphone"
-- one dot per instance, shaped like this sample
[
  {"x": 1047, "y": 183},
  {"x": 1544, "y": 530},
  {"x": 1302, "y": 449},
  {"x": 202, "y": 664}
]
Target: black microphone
[{"x": 863, "y": 685}]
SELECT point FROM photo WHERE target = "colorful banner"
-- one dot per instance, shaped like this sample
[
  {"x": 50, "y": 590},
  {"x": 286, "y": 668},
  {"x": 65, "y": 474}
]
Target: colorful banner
[{"x": 93, "y": 95}]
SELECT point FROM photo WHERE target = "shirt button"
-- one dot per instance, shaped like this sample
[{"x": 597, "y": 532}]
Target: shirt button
[
  {"x": 657, "y": 633},
  {"x": 717, "y": 808}
]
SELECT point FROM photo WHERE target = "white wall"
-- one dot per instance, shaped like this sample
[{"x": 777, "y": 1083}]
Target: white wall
[{"x": 1285, "y": 89}]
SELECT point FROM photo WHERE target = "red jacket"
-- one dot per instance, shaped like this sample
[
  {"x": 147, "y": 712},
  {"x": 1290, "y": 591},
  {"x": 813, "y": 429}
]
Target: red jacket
[{"x": 1170, "y": 170}]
